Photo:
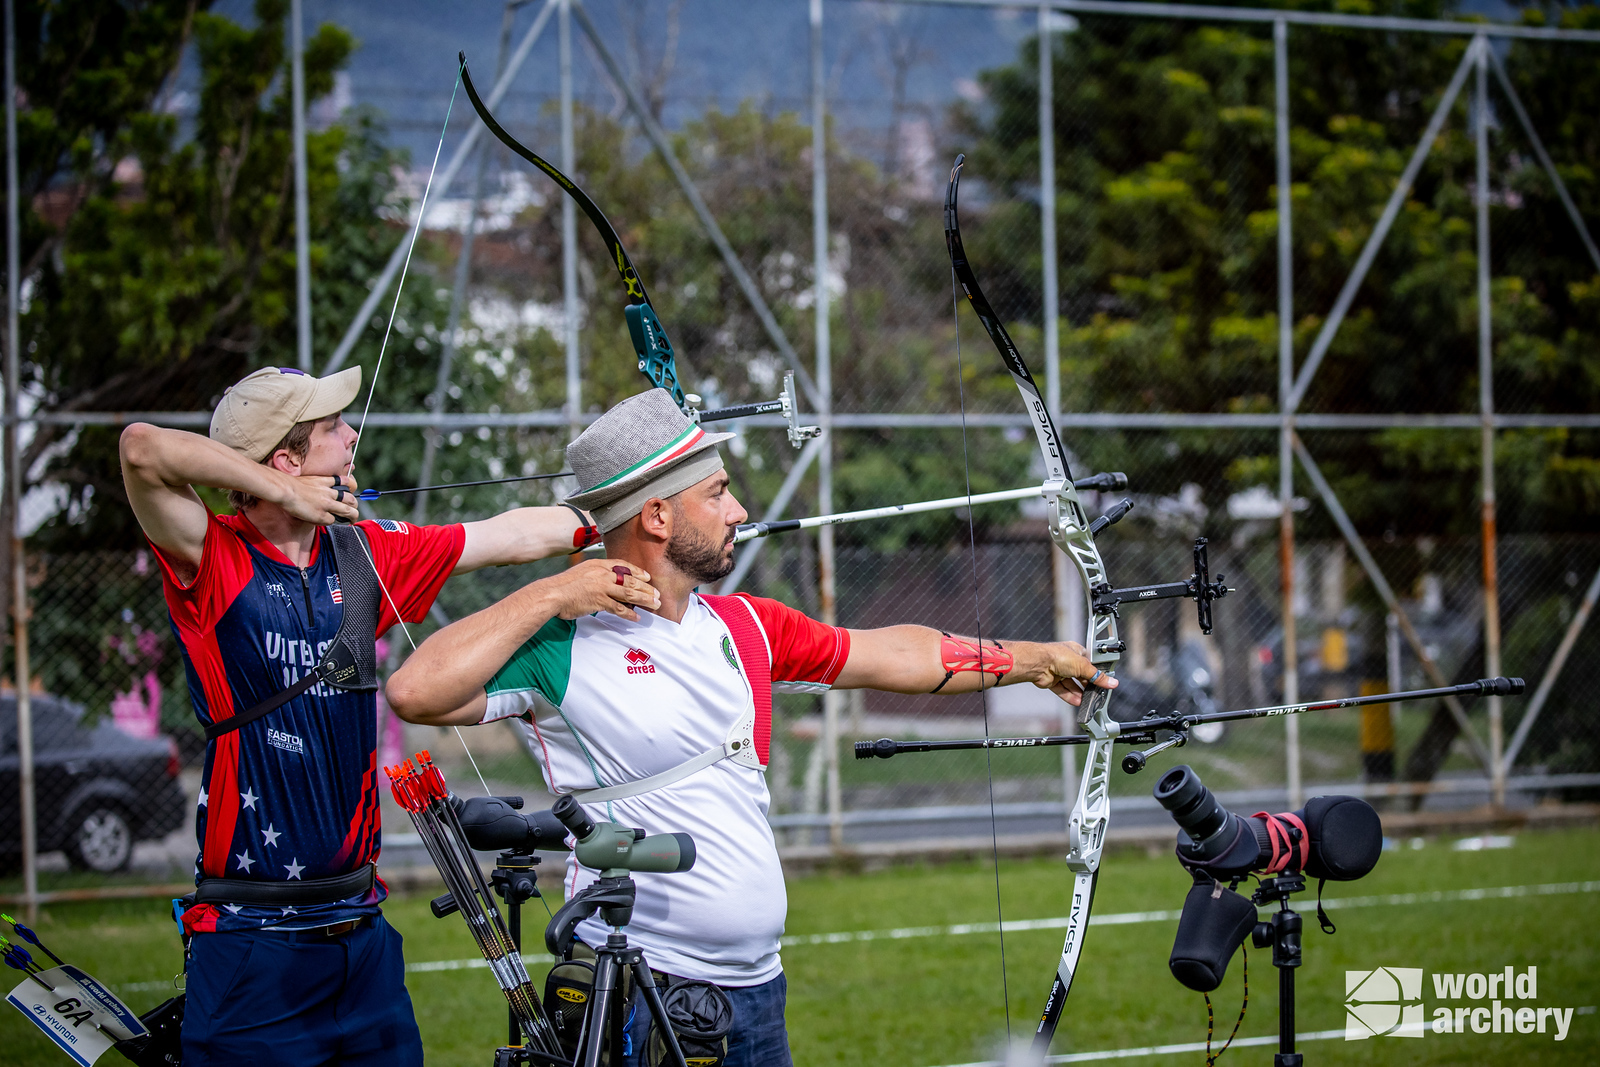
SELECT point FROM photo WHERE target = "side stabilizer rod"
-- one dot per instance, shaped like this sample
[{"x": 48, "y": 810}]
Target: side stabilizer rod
[{"x": 1143, "y": 731}]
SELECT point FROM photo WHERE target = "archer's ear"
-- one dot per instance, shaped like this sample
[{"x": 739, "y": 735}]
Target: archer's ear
[
  {"x": 655, "y": 518},
  {"x": 285, "y": 461}
]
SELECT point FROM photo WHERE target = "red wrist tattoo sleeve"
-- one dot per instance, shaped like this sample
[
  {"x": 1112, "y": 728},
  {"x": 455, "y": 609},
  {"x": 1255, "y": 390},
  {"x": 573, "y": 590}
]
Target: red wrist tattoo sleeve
[{"x": 962, "y": 654}]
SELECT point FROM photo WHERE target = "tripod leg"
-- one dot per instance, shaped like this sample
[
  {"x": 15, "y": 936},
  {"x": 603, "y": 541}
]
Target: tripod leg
[
  {"x": 1286, "y": 1056},
  {"x": 658, "y": 1011},
  {"x": 593, "y": 1034}
]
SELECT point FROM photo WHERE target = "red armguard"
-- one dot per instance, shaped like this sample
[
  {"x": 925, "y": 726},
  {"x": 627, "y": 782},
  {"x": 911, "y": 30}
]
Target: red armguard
[{"x": 961, "y": 654}]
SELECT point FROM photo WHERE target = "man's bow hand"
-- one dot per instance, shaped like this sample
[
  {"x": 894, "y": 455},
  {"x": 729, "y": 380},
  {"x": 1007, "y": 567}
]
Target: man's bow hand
[{"x": 1063, "y": 667}]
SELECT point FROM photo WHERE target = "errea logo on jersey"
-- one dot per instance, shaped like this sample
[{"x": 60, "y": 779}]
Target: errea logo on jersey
[{"x": 639, "y": 661}]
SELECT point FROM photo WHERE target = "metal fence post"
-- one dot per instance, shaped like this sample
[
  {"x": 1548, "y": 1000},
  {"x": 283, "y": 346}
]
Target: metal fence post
[
  {"x": 19, "y": 570},
  {"x": 302, "y": 209},
  {"x": 1491, "y": 577},
  {"x": 569, "y": 226},
  {"x": 1291, "y": 657},
  {"x": 1068, "y": 612},
  {"x": 819, "y": 265},
  {"x": 1047, "y": 215}
]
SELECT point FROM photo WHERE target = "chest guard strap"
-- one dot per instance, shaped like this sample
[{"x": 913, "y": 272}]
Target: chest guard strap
[
  {"x": 750, "y": 739},
  {"x": 351, "y": 661}
]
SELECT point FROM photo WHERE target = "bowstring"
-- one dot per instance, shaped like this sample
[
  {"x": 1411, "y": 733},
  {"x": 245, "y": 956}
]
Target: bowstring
[
  {"x": 977, "y": 611},
  {"x": 372, "y": 387}
]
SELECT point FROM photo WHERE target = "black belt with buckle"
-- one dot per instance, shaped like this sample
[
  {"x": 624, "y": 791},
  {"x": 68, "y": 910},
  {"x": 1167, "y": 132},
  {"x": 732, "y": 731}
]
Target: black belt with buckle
[
  {"x": 279, "y": 894},
  {"x": 315, "y": 933}
]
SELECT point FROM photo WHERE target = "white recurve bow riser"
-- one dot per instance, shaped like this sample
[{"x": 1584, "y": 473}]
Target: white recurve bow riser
[{"x": 1086, "y": 829}]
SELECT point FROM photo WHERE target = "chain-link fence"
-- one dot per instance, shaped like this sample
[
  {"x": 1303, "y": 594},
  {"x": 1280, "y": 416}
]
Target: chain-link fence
[{"x": 1157, "y": 335}]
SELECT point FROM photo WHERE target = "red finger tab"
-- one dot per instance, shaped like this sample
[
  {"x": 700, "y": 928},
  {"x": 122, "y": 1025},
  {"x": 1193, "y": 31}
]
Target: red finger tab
[
  {"x": 621, "y": 572},
  {"x": 584, "y": 536}
]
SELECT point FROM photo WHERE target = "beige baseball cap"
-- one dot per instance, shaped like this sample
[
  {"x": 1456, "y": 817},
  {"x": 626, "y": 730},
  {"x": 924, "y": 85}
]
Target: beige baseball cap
[{"x": 255, "y": 414}]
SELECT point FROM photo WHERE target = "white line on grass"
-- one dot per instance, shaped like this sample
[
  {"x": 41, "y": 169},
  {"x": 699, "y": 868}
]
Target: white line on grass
[
  {"x": 1126, "y": 917},
  {"x": 1163, "y": 1050},
  {"x": 1123, "y": 918}
]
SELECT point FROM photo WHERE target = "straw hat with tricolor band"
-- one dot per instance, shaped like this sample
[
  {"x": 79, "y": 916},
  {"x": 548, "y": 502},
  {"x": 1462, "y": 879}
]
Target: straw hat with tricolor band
[{"x": 643, "y": 447}]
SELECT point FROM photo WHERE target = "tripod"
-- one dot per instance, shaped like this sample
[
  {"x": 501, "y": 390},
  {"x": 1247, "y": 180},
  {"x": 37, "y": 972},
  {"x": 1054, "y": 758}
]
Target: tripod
[
  {"x": 516, "y": 881},
  {"x": 605, "y": 1015},
  {"x": 1283, "y": 934}
]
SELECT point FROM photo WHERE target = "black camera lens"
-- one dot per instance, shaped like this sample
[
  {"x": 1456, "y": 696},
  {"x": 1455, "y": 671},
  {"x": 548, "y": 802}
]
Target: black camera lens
[{"x": 1192, "y": 805}]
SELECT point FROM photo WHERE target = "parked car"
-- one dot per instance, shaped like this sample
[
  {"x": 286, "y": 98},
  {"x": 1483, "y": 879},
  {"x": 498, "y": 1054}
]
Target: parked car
[{"x": 97, "y": 791}]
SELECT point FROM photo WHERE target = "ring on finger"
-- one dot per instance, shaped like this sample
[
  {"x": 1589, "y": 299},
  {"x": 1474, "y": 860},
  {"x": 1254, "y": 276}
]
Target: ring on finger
[
  {"x": 1095, "y": 677},
  {"x": 621, "y": 572}
]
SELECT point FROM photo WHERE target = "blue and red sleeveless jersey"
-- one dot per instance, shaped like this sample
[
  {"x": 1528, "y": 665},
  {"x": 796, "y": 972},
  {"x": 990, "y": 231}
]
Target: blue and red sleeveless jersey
[{"x": 294, "y": 795}]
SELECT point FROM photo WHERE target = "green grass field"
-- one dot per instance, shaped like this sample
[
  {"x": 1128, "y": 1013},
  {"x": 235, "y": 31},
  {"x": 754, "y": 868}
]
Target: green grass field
[{"x": 923, "y": 1001}]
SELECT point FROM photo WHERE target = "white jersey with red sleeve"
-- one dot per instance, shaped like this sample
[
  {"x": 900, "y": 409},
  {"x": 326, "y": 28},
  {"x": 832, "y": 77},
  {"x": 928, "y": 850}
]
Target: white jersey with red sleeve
[{"x": 625, "y": 701}]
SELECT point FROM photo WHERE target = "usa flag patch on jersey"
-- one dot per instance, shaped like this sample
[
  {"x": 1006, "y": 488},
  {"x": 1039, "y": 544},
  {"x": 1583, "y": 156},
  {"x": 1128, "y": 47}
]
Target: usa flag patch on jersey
[
  {"x": 333, "y": 589},
  {"x": 393, "y": 526}
]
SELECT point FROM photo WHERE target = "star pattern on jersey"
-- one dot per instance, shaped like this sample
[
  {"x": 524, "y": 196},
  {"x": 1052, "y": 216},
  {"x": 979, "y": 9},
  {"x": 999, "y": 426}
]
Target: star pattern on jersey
[
  {"x": 288, "y": 912},
  {"x": 202, "y": 801},
  {"x": 244, "y": 861},
  {"x": 248, "y": 799},
  {"x": 269, "y": 836},
  {"x": 235, "y": 908},
  {"x": 294, "y": 867}
]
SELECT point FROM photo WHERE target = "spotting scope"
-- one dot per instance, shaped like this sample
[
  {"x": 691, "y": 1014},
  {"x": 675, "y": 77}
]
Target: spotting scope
[{"x": 614, "y": 850}]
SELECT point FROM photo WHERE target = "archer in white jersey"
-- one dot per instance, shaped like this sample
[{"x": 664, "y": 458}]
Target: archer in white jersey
[{"x": 662, "y": 695}]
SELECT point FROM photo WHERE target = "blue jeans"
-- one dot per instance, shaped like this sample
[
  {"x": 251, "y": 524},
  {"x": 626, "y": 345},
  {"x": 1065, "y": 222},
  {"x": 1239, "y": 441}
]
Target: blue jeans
[
  {"x": 758, "y": 1037},
  {"x": 267, "y": 997}
]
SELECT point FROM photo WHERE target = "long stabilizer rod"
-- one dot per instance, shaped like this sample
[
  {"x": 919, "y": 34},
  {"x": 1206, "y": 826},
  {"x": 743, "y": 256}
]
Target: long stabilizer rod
[
  {"x": 751, "y": 530},
  {"x": 1144, "y": 730}
]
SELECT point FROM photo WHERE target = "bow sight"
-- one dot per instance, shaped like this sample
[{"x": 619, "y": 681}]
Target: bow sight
[{"x": 1199, "y": 587}]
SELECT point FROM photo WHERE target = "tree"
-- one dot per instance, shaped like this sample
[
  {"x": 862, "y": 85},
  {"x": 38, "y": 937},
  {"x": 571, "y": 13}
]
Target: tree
[{"x": 1168, "y": 251}]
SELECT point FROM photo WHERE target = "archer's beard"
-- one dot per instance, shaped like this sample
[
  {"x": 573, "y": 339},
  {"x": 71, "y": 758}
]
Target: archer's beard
[{"x": 702, "y": 558}]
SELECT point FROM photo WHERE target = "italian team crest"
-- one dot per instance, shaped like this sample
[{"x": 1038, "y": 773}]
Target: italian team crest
[{"x": 727, "y": 653}]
